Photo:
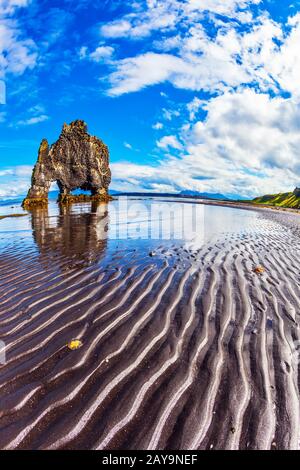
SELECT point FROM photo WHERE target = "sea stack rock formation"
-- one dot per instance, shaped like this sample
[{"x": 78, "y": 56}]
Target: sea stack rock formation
[{"x": 76, "y": 161}]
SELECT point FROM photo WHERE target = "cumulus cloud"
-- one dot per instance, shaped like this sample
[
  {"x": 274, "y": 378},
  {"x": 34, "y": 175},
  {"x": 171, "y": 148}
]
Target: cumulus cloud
[
  {"x": 33, "y": 120},
  {"x": 14, "y": 181},
  {"x": 102, "y": 53},
  {"x": 158, "y": 126},
  {"x": 163, "y": 15},
  {"x": 251, "y": 129},
  {"x": 233, "y": 58},
  {"x": 247, "y": 140},
  {"x": 194, "y": 106},
  {"x": 248, "y": 145},
  {"x": 243, "y": 138},
  {"x": 116, "y": 29},
  {"x": 169, "y": 141},
  {"x": 6, "y": 172},
  {"x": 9, "y": 6},
  {"x": 194, "y": 55},
  {"x": 17, "y": 53},
  {"x": 136, "y": 73}
]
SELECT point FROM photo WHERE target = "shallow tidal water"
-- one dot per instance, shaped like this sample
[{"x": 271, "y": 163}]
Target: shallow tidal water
[
  {"x": 183, "y": 344},
  {"x": 143, "y": 222}
]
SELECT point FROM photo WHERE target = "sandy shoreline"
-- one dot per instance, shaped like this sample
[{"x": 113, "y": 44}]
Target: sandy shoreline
[
  {"x": 246, "y": 206},
  {"x": 181, "y": 350}
]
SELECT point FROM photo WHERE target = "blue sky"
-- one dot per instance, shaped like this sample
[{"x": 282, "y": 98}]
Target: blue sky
[{"x": 194, "y": 94}]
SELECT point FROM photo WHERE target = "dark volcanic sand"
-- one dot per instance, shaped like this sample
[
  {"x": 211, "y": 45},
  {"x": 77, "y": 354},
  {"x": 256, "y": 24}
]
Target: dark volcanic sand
[{"x": 185, "y": 349}]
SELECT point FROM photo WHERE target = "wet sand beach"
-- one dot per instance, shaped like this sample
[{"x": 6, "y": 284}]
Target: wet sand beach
[{"x": 185, "y": 343}]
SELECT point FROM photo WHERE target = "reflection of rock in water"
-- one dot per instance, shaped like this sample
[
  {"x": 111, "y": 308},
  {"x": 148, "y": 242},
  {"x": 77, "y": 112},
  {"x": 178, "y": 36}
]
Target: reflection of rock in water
[{"x": 78, "y": 238}]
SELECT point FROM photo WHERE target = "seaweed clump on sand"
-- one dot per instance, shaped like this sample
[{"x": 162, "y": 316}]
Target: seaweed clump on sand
[{"x": 76, "y": 160}]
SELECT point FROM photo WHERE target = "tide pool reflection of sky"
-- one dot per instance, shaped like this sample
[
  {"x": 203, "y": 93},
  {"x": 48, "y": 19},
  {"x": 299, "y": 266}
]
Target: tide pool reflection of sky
[{"x": 87, "y": 230}]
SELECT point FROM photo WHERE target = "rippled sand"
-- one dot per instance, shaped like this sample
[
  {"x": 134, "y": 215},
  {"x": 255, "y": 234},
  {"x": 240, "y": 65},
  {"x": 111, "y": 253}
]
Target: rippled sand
[{"x": 188, "y": 348}]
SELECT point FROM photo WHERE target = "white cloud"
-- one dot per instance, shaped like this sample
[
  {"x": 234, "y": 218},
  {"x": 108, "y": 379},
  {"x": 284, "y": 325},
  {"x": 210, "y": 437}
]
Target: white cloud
[
  {"x": 22, "y": 170},
  {"x": 17, "y": 53},
  {"x": 203, "y": 73},
  {"x": 116, "y": 29},
  {"x": 158, "y": 126},
  {"x": 249, "y": 141},
  {"x": 169, "y": 114},
  {"x": 6, "y": 172},
  {"x": 83, "y": 52},
  {"x": 127, "y": 145},
  {"x": 284, "y": 63},
  {"x": 33, "y": 120},
  {"x": 102, "y": 53},
  {"x": 9, "y": 6},
  {"x": 135, "y": 73},
  {"x": 194, "y": 106},
  {"x": 231, "y": 59},
  {"x": 16, "y": 181},
  {"x": 169, "y": 141},
  {"x": 37, "y": 109},
  {"x": 248, "y": 145},
  {"x": 164, "y": 15},
  {"x": 220, "y": 7},
  {"x": 265, "y": 53}
]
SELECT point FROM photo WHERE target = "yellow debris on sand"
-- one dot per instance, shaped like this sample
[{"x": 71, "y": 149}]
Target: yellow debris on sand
[
  {"x": 75, "y": 344},
  {"x": 259, "y": 270}
]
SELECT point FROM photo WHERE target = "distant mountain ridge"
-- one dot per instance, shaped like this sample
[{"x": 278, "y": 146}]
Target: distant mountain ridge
[
  {"x": 291, "y": 200},
  {"x": 183, "y": 194},
  {"x": 186, "y": 193},
  {"x": 203, "y": 195}
]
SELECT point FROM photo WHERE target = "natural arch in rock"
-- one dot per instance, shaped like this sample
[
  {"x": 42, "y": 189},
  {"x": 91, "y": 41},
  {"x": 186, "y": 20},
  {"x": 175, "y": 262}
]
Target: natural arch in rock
[{"x": 76, "y": 161}]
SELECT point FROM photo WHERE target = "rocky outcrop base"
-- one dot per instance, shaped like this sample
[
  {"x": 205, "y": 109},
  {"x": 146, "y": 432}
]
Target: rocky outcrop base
[
  {"x": 76, "y": 198},
  {"x": 31, "y": 202}
]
